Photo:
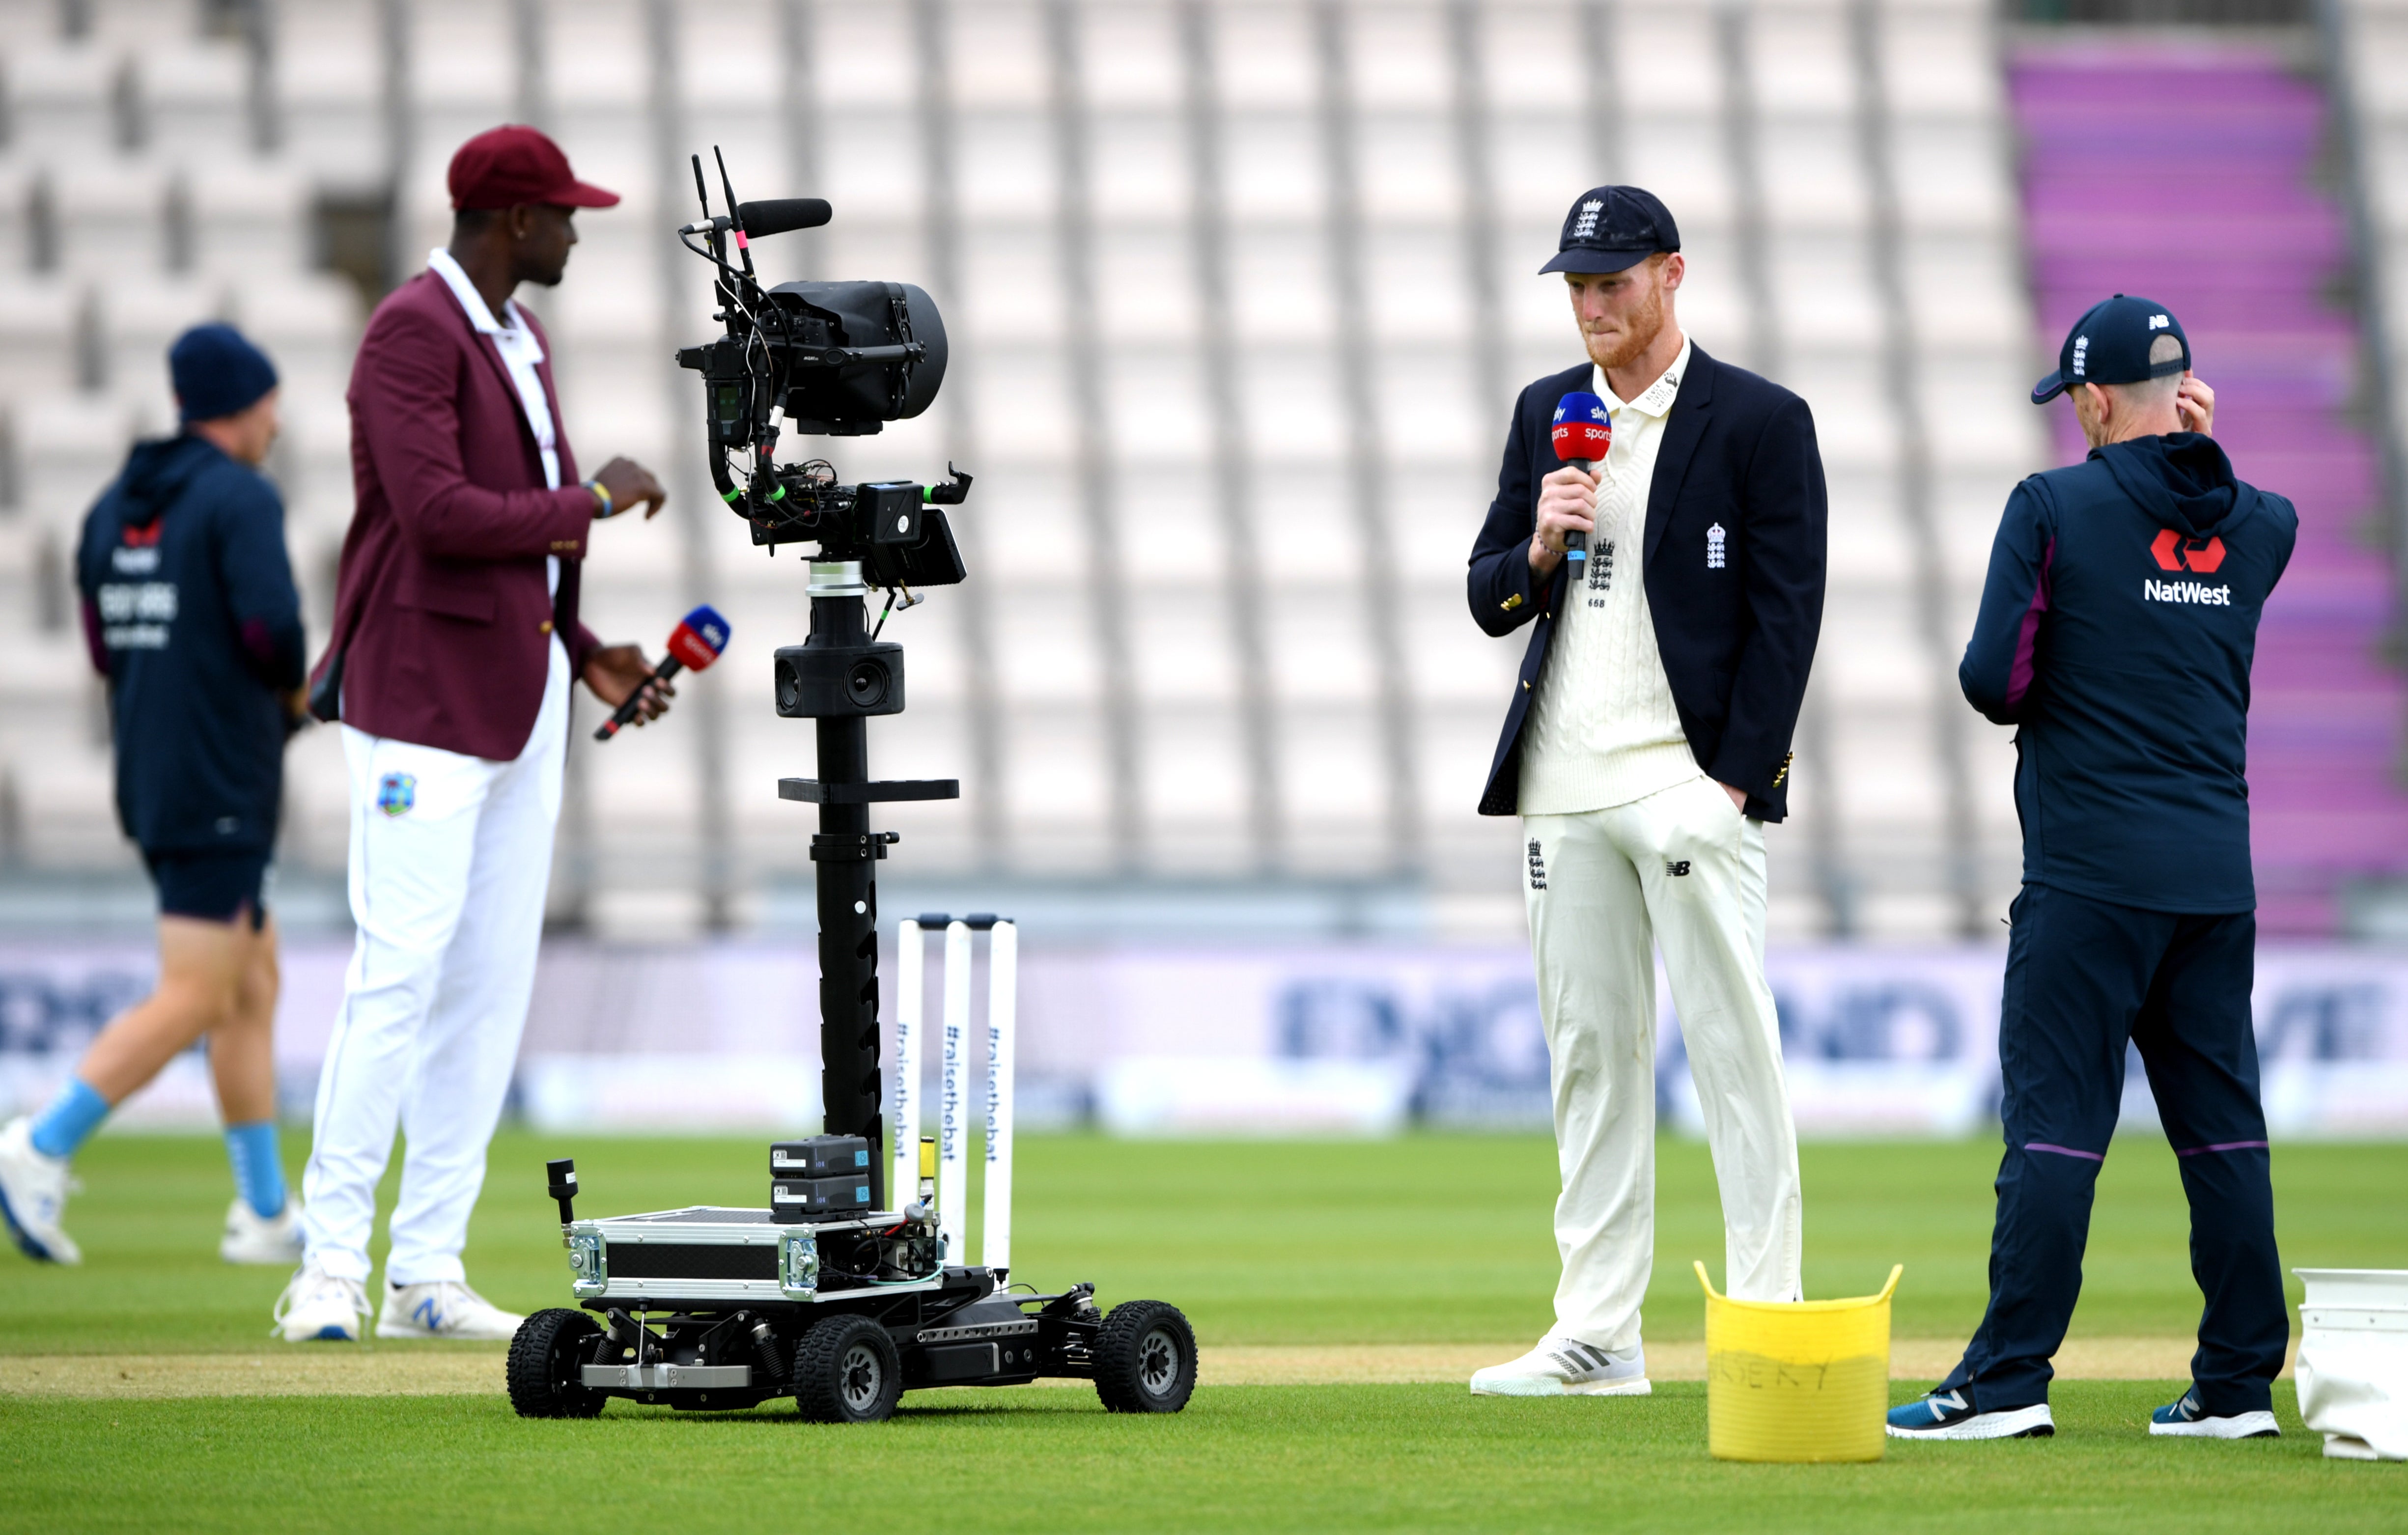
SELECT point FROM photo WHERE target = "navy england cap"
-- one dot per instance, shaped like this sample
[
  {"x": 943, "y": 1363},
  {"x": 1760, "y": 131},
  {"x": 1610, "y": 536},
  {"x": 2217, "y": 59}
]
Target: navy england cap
[
  {"x": 1610, "y": 229},
  {"x": 2110, "y": 345}
]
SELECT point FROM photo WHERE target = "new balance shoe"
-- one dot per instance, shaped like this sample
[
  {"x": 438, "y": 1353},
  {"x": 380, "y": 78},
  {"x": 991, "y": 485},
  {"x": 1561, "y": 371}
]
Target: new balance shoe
[
  {"x": 267, "y": 1239},
  {"x": 1563, "y": 1367},
  {"x": 1946, "y": 1414},
  {"x": 443, "y": 1308},
  {"x": 319, "y": 1306},
  {"x": 34, "y": 1191},
  {"x": 2183, "y": 1420}
]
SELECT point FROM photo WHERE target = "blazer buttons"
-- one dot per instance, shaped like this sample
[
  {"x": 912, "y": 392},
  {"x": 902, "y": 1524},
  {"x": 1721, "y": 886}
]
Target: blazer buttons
[
  {"x": 544, "y": 627},
  {"x": 1526, "y": 686},
  {"x": 1512, "y": 602}
]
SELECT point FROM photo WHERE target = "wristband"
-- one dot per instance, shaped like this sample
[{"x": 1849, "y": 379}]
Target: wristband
[{"x": 603, "y": 492}]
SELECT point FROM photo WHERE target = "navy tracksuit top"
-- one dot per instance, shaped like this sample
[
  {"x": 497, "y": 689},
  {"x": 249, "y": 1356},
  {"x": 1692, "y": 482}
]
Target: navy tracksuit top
[
  {"x": 191, "y": 613},
  {"x": 2116, "y": 633}
]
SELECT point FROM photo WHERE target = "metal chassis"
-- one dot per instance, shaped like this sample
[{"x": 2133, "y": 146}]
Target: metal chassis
[{"x": 941, "y": 1327}]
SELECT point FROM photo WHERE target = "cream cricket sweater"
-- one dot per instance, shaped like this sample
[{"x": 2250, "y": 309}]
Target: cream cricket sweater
[{"x": 1603, "y": 731}]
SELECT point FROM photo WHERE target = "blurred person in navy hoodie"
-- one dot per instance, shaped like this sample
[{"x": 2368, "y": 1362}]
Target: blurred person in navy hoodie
[{"x": 191, "y": 613}]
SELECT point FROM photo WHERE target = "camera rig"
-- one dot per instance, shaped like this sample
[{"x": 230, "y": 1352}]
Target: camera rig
[{"x": 714, "y": 1308}]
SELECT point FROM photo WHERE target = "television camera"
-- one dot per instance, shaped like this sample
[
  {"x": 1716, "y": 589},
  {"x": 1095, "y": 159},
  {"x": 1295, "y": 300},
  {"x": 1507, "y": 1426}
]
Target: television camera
[{"x": 842, "y": 1292}]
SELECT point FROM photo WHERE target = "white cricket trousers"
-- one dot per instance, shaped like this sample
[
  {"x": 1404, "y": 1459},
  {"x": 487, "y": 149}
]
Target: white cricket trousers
[
  {"x": 450, "y": 859},
  {"x": 1684, "y": 869}
]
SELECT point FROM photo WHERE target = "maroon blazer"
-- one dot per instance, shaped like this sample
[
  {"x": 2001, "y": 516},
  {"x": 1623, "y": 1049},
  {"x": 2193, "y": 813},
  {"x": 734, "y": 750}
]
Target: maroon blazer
[{"x": 441, "y": 611}]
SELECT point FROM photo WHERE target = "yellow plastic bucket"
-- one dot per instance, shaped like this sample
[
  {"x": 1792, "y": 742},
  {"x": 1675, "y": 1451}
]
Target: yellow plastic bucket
[{"x": 1796, "y": 1381}]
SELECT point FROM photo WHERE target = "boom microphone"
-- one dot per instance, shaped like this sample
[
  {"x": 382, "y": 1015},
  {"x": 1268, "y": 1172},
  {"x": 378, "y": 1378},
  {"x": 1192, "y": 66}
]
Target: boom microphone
[
  {"x": 777, "y": 215},
  {"x": 1584, "y": 435},
  {"x": 693, "y": 644}
]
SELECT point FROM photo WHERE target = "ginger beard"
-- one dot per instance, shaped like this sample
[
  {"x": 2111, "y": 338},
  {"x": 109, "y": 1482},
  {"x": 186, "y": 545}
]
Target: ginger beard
[{"x": 1618, "y": 346}]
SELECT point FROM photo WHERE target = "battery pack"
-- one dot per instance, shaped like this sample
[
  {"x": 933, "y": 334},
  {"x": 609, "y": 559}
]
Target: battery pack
[
  {"x": 792, "y": 1197},
  {"x": 819, "y": 1156}
]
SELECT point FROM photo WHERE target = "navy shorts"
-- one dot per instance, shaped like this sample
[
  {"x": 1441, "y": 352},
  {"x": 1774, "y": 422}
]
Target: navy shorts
[{"x": 216, "y": 886}]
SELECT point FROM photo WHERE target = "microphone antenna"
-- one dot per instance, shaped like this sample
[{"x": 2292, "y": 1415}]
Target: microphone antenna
[{"x": 727, "y": 187}]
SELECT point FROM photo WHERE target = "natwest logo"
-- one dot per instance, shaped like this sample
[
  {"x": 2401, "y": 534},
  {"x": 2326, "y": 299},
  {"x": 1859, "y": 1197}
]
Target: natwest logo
[{"x": 2174, "y": 553}]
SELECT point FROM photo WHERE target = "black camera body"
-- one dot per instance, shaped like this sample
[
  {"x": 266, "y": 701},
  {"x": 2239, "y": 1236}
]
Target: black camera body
[{"x": 835, "y": 359}]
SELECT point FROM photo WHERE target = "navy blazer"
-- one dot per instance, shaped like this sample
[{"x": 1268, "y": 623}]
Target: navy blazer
[{"x": 1736, "y": 634}]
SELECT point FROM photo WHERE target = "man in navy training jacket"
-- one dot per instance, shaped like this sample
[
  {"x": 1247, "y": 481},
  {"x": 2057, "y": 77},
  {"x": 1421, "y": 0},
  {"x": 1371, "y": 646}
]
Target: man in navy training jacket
[
  {"x": 1644, "y": 747},
  {"x": 191, "y": 614},
  {"x": 2116, "y": 633}
]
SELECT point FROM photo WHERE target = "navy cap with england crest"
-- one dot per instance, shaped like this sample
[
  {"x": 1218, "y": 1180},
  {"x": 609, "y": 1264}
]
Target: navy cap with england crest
[
  {"x": 1610, "y": 229},
  {"x": 2113, "y": 344}
]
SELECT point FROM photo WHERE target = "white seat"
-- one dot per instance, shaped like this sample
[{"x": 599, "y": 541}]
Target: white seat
[
  {"x": 111, "y": 216},
  {"x": 864, "y": 57},
  {"x": 328, "y": 71},
  {"x": 1798, "y": 62},
  {"x": 69, "y": 447},
  {"x": 194, "y": 100},
  {"x": 1002, "y": 58},
  {"x": 60, "y": 101},
  {"x": 38, "y": 334},
  {"x": 1684, "y": 71},
  {"x": 127, "y": 23},
  {"x": 1263, "y": 59},
  {"x": 251, "y": 219},
  {"x": 1133, "y": 59},
  {"x": 461, "y": 79},
  {"x": 309, "y": 324}
]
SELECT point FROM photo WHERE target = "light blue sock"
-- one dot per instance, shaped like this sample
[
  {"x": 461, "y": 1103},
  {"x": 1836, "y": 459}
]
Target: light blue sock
[
  {"x": 70, "y": 1119},
  {"x": 258, "y": 1171}
]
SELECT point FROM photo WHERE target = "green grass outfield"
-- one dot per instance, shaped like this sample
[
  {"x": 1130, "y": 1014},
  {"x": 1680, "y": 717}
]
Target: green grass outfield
[{"x": 1430, "y": 1239}]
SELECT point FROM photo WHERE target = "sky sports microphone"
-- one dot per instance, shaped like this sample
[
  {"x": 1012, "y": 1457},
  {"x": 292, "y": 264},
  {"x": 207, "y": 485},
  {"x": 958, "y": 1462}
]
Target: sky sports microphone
[
  {"x": 693, "y": 644},
  {"x": 1584, "y": 435}
]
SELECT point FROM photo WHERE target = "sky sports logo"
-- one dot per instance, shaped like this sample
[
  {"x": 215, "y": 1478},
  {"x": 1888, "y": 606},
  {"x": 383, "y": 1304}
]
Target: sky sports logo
[{"x": 2190, "y": 592}]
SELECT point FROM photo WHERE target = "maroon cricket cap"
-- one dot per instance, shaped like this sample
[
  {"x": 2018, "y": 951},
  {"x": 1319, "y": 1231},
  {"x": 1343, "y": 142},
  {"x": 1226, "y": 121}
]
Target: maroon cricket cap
[{"x": 505, "y": 166}]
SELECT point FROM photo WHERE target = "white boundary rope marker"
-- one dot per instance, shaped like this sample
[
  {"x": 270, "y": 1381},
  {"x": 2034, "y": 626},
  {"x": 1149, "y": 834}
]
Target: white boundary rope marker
[
  {"x": 953, "y": 1166},
  {"x": 1002, "y": 1018},
  {"x": 910, "y": 1004}
]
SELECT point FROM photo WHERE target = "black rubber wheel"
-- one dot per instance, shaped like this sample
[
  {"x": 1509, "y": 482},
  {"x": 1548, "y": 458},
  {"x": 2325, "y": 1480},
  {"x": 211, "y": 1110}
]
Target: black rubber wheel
[
  {"x": 546, "y": 1355},
  {"x": 1145, "y": 1358},
  {"x": 847, "y": 1371}
]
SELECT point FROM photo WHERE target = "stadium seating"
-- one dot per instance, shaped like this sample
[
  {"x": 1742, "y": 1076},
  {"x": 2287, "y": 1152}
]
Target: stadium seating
[{"x": 1240, "y": 295}]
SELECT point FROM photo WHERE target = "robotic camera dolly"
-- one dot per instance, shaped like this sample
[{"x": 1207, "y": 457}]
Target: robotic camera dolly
[{"x": 844, "y": 1291}]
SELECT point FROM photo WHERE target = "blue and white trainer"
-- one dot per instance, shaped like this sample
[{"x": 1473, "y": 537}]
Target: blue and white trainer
[
  {"x": 1946, "y": 1414},
  {"x": 320, "y": 1307},
  {"x": 1563, "y": 1367},
  {"x": 2184, "y": 1420},
  {"x": 443, "y": 1308},
  {"x": 34, "y": 1190}
]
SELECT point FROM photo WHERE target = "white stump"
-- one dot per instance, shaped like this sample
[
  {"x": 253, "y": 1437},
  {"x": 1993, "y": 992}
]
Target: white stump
[
  {"x": 1002, "y": 1014},
  {"x": 953, "y": 1138},
  {"x": 910, "y": 994}
]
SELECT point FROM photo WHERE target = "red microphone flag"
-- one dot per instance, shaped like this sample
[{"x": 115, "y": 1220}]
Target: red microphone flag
[{"x": 1583, "y": 431}]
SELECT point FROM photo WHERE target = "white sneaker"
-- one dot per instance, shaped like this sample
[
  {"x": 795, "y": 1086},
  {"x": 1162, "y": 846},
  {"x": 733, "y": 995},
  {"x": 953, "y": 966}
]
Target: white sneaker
[
  {"x": 1563, "y": 1367},
  {"x": 2184, "y": 1419},
  {"x": 443, "y": 1308},
  {"x": 270, "y": 1239},
  {"x": 33, "y": 1195},
  {"x": 318, "y": 1305}
]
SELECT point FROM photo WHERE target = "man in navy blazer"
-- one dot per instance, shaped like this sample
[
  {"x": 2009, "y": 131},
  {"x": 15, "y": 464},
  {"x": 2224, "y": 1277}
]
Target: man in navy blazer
[
  {"x": 1644, "y": 747},
  {"x": 454, "y": 642}
]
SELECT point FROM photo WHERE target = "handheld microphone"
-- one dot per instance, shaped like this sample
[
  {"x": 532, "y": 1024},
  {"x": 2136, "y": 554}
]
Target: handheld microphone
[
  {"x": 1584, "y": 435},
  {"x": 693, "y": 644}
]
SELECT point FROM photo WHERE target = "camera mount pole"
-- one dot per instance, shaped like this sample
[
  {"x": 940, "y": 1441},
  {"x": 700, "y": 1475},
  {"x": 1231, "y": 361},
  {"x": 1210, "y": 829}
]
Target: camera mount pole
[{"x": 845, "y": 853}]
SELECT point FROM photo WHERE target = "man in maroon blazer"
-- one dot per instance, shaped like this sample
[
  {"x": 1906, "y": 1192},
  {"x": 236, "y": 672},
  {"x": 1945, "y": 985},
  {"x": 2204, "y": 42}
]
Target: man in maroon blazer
[{"x": 455, "y": 637}]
